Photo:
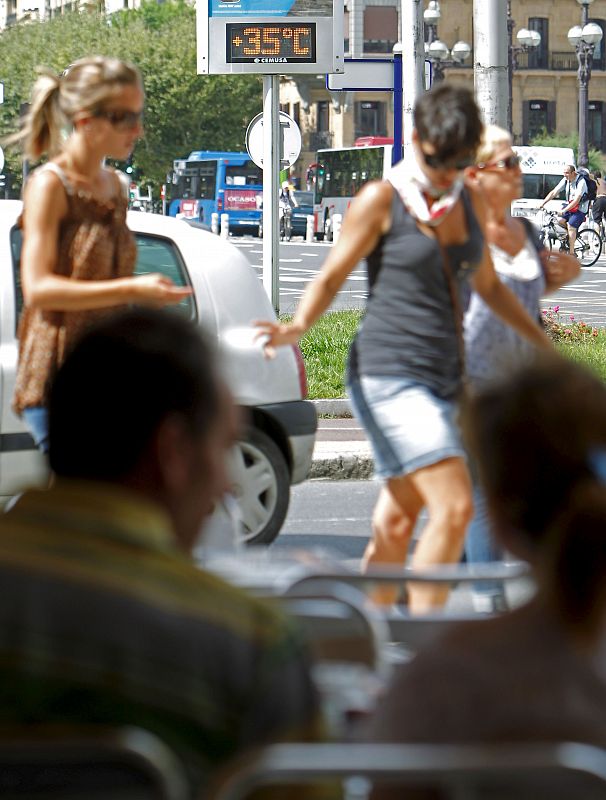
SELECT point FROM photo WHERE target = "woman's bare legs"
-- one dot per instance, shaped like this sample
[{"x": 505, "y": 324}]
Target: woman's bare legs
[{"x": 445, "y": 490}]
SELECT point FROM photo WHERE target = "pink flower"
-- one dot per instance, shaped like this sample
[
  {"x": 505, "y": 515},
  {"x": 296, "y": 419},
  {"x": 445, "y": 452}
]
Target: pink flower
[
  {"x": 594, "y": 332},
  {"x": 572, "y": 317},
  {"x": 556, "y": 309},
  {"x": 568, "y": 332}
]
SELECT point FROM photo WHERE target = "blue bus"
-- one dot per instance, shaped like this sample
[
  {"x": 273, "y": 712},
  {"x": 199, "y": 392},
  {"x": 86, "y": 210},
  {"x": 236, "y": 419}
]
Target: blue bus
[{"x": 208, "y": 181}]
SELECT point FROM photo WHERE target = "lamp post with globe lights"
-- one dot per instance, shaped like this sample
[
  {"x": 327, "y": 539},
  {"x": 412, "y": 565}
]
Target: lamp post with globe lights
[
  {"x": 435, "y": 50},
  {"x": 527, "y": 40},
  {"x": 584, "y": 38}
]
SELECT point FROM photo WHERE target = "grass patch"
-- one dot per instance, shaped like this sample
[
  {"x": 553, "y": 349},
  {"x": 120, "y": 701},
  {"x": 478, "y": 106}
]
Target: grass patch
[{"x": 326, "y": 346}]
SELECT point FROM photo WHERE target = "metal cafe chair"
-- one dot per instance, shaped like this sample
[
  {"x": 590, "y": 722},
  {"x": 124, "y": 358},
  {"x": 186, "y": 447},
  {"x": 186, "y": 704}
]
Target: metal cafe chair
[
  {"x": 87, "y": 762},
  {"x": 521, "y": 771}
]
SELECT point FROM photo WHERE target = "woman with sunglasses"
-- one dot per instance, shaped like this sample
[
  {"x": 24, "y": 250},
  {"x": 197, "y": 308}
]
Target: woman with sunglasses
[
  {"x": 78, "y": 254},
  {"x": 491, "y": 347},
  {"x": 421, "y": 231}
]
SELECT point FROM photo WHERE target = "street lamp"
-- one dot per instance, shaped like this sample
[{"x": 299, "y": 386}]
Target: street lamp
[
  {"x": 584, "y": 38},
  {"x": 435, "y": 50},
  {"x": 526, "y": 41}
]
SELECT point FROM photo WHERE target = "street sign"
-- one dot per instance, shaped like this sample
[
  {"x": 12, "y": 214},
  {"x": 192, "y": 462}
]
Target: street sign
[
  {"x": 368, "y": 75},
  {"x": 289, "y": 141},
  {"x": 271, "y": 37}
]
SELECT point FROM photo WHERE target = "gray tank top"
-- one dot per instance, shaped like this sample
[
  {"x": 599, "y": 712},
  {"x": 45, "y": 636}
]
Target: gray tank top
[{"x": 409, "y": 329}]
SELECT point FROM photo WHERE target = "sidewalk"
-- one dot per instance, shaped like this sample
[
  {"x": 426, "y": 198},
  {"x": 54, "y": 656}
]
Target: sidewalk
[{"x": 342, "y": 451}]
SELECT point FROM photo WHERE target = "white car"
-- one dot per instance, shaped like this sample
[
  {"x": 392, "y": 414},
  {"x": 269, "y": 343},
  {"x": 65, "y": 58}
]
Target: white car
[{"x": 277, "y": 443}]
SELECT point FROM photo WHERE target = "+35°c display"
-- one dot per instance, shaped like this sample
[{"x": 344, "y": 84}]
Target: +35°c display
[{"x": 271, "y": 42}]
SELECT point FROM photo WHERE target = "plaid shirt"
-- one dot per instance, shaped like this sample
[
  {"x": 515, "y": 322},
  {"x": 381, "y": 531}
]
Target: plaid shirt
[{"x": 104, "y": 620}]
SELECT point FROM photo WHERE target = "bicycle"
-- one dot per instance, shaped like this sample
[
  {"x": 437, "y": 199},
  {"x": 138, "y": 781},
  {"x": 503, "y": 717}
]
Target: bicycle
[{"x": 587, "y": 246}]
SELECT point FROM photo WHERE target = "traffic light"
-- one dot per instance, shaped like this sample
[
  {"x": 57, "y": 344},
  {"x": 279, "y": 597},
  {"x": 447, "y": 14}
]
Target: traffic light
[{"x": 129, "y": 166}]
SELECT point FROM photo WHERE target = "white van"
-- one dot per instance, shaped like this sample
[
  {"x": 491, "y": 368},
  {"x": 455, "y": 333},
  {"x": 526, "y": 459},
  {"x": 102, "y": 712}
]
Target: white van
[{"x": 542, "y": 169}]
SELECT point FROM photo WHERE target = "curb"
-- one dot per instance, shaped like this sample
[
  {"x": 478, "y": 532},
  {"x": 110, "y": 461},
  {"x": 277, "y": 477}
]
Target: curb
[
  {"x": 342, "y": 468},
  {"x": 333, "y": 408}
]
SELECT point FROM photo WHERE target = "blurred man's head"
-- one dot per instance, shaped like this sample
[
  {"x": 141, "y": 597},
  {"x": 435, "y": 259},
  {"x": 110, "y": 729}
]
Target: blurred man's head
[{"x": 138, "y": 403}]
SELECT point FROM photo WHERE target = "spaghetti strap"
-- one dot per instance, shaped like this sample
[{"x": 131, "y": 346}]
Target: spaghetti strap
[{"x": 52, "y": 167}]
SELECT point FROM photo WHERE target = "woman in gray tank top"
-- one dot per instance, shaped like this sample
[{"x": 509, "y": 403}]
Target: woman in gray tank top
[{"x": 421, "y": 231}]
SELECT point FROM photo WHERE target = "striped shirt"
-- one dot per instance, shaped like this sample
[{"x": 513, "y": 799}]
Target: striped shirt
[{"x": 104, "y": 620}]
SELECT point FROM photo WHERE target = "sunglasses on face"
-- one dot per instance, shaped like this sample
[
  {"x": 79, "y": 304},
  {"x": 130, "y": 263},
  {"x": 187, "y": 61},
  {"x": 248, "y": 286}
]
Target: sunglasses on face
[
  {"x": 121, "y": 119},
  {"x": 439, "y": 162},
  {"x": 511, "y": 162}
]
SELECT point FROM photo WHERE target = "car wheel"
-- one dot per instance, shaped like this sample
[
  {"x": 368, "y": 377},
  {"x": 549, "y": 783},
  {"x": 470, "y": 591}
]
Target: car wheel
[{"x": 261, "y": 486}]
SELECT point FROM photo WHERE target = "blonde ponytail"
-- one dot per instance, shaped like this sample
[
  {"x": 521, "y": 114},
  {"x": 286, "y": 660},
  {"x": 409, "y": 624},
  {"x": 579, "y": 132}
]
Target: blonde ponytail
[{"x": 56, "y": 100}]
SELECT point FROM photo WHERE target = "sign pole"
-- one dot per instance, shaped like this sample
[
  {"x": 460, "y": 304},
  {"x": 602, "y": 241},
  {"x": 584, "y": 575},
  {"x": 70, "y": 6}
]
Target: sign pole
[
  {"x": 398, "y": 100},
  {"x": 271, "y": 189}
]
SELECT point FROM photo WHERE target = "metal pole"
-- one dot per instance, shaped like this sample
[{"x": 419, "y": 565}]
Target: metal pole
[
  {"x": 510, "y": 67},
  {"x": 413, "y": 51},
  {"x": 396, "y": 154},
  {"x": 584, "y": 53},
  {"x": 490, "y": 69},
  {"x": 271, "y": 188}
]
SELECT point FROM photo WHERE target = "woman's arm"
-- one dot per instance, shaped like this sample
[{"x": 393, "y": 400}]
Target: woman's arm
[
  {"x": 45, "y": 206},
  {"x": 367, "y": 219}
]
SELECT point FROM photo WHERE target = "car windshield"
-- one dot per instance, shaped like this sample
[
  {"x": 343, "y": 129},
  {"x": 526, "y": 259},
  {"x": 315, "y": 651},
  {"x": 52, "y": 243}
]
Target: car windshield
[{"x": 303, "y": 198}]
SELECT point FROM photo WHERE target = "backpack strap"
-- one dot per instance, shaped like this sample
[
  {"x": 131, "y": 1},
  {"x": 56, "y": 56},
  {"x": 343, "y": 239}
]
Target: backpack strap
[{"x": 533, "y": 234}]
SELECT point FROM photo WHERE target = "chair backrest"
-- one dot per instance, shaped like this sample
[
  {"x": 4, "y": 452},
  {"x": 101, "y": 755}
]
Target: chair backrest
[
  {"x": 522, "y": 771},
  {"x": 87, "y": 762},
  {"x": 338, "y": 622}
]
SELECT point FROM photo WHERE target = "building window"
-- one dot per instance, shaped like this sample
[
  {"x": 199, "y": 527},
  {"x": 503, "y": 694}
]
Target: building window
[
  {"x": 598, "y": 53},
  {"x": 296, "y": 113},
  {"x": 539, "y": 117},
  {"x": 370, "y": 118},
  {"x": 595, "y": 132},
  {"x": 380, "y": 29},
  {"x": 538, "y": 57},
  {"x": 322, "y": 116}
]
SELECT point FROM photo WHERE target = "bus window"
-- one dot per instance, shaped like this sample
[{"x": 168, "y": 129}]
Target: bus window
[
  {"x": 247, "y": 174},
  {"x": 207, "y": 180}
]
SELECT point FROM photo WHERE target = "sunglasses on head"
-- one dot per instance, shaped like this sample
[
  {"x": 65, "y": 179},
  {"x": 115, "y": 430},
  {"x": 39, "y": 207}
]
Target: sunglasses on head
[
  {"x": 440, "y": 162},
  {"x": 121, "y": 119},
  {"x": 510, "y": 162}
]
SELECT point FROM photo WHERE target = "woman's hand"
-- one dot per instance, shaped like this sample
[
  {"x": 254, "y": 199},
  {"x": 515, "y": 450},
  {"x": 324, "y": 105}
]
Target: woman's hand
[
  {"x": 276, "y": 334},
  {"x": 559, "y": 269},
  {"x": 155, "y": 289}
]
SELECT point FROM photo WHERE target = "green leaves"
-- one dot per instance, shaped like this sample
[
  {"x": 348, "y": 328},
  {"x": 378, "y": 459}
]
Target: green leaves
[{"x": 184, "y": 111}]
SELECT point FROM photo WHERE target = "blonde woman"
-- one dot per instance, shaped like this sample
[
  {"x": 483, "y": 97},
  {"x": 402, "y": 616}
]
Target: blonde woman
[
  {"x": 78, "y": 254},
  {"x": 493, "y": 348}
]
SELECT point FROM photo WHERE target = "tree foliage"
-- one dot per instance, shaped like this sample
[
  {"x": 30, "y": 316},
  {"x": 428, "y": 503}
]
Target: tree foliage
[
  {"x": 184, "y": 111},
  {"x": 544, "y": 139}
]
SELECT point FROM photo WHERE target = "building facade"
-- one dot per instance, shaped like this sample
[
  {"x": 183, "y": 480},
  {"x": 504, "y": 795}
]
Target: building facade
[
  {"x": 545, "y": 86},
  {"x": 13, "y": 11}
]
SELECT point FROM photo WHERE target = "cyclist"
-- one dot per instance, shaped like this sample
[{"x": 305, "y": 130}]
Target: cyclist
[
  {"x": 598, "y": 209},
  {"x": 577, "y": 203},
  {"x": 285, "y": 204}
]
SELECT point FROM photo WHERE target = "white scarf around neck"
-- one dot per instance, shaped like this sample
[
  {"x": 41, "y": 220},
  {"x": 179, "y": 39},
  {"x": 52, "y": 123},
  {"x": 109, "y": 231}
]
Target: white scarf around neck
[{"x": 411, "y": 183}]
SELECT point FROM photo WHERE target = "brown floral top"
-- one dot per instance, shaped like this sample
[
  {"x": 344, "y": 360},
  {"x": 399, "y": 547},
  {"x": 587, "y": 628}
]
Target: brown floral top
[{"x": 94, "y": 244}]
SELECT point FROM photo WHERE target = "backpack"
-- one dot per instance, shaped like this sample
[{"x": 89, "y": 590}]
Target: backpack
[{"x": 592, "y": 186}]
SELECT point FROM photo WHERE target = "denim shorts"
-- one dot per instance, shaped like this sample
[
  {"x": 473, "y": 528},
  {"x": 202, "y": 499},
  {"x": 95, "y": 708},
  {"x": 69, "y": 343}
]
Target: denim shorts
[
  {"x": 36, "y": 419},
  {"x": 409, "y": 427}
]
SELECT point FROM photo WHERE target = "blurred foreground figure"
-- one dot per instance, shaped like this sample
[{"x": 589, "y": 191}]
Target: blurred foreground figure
[
  {"x": 492, "y": 348},
  {"x": 537, "y": 673},
  {"x": 104, "y": 618},
  {"x": 422, "y": 234}
]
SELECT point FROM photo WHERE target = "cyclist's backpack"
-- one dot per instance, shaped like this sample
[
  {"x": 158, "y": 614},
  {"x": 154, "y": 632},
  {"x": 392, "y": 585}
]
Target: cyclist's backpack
[{"x": 592, "y": 186}]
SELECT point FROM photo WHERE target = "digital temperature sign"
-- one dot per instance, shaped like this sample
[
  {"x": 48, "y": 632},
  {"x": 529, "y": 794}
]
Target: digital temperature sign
[
  {"x": 271, "y": 43},
  {"x": 269, "y": 37}
]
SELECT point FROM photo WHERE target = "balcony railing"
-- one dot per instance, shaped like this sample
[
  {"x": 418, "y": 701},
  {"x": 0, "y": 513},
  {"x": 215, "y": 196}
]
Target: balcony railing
[
  {"x": 316, "y": 140},
  {"x": 564, "y": 61}
]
